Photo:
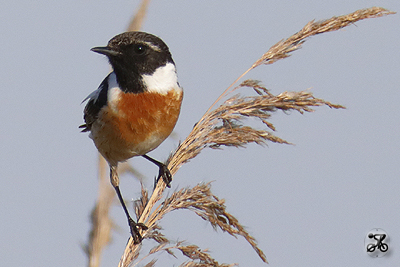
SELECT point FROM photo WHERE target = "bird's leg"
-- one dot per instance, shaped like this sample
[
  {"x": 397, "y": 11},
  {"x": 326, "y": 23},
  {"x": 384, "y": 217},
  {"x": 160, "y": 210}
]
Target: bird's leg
[
  {"x": 137, "y": 238},
  {"x": 163, "y": 171}
]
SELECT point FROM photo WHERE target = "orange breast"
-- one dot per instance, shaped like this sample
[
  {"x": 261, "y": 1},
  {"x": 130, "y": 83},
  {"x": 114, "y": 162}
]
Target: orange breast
[
  {"x": 147, "y": 114},
  {"x": 137, "y": 125}
]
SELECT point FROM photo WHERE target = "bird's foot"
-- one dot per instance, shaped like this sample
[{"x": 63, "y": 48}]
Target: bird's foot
[
  {"x": 135, "y": 227},
  {"x": 165, "y": 174}
]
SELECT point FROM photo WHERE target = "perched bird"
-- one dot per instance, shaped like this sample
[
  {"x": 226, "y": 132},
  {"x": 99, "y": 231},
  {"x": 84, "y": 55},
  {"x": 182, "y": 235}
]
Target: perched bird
[{"x": 136, "y": 106}]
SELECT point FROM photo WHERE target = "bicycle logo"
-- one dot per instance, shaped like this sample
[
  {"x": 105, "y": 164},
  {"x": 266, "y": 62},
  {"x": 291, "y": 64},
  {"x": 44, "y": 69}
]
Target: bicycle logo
[{"x": 377, "y": 243}]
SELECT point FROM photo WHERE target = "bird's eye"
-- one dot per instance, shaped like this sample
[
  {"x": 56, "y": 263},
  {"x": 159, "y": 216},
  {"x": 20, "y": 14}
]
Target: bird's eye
[{"x": 140, "y": 49}]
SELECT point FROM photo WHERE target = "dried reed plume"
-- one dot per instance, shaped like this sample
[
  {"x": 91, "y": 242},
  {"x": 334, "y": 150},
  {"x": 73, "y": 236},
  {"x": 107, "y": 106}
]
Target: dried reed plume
[{"x": 225, "y": 126}]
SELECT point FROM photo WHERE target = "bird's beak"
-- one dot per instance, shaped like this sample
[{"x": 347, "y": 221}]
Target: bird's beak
[{"x": 105, "y": 50}]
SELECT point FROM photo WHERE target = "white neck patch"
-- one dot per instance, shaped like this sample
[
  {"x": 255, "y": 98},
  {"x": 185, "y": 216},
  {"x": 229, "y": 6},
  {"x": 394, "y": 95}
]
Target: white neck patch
[{"x": 162, "y": 80}]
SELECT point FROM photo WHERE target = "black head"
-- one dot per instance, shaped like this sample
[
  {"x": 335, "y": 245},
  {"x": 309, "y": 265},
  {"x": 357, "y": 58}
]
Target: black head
[{"x": 133, "y": 54}]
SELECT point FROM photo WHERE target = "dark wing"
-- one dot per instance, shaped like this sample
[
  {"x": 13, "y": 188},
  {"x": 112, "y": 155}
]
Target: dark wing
[{"x": 97, "y": 100}]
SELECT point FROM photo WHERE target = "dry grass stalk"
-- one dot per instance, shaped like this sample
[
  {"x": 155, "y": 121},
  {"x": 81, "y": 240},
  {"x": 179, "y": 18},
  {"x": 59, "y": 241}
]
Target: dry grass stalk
[
  {"x": 222, "y": 126},
  {"x": 137, "y": 21},
  {"x": 101, "y": 223},
  {"x": 198, "y": 256},
  {"x": 209, "y": 207},
  {"x": 283, "y": 48},
  {"x": 99, "y": 235}
]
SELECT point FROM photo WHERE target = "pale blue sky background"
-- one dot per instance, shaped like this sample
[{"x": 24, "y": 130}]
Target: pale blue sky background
[{"x": 307, "y": 205}]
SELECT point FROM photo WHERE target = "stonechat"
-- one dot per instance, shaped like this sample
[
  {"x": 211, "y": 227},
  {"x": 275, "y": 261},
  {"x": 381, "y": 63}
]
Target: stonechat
[{"x": 136, "y": 106}]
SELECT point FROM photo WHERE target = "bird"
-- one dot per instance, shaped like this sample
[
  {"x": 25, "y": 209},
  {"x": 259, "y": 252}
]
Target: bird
[{"x": 136, "y": 106}]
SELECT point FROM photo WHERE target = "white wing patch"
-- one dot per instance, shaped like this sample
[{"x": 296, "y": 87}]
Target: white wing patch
[
  {"x": 162, "y": 80},
  {"x": 92, "y": 95},
  {"x": 112, "y": 82},
  {"x": 114, "y": 92}
]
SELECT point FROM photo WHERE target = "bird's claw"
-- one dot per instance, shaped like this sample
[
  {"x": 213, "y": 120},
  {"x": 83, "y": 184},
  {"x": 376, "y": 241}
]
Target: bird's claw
[
  {"x": 165, "y": 174},
  {"x": 135, "y": 227}
]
